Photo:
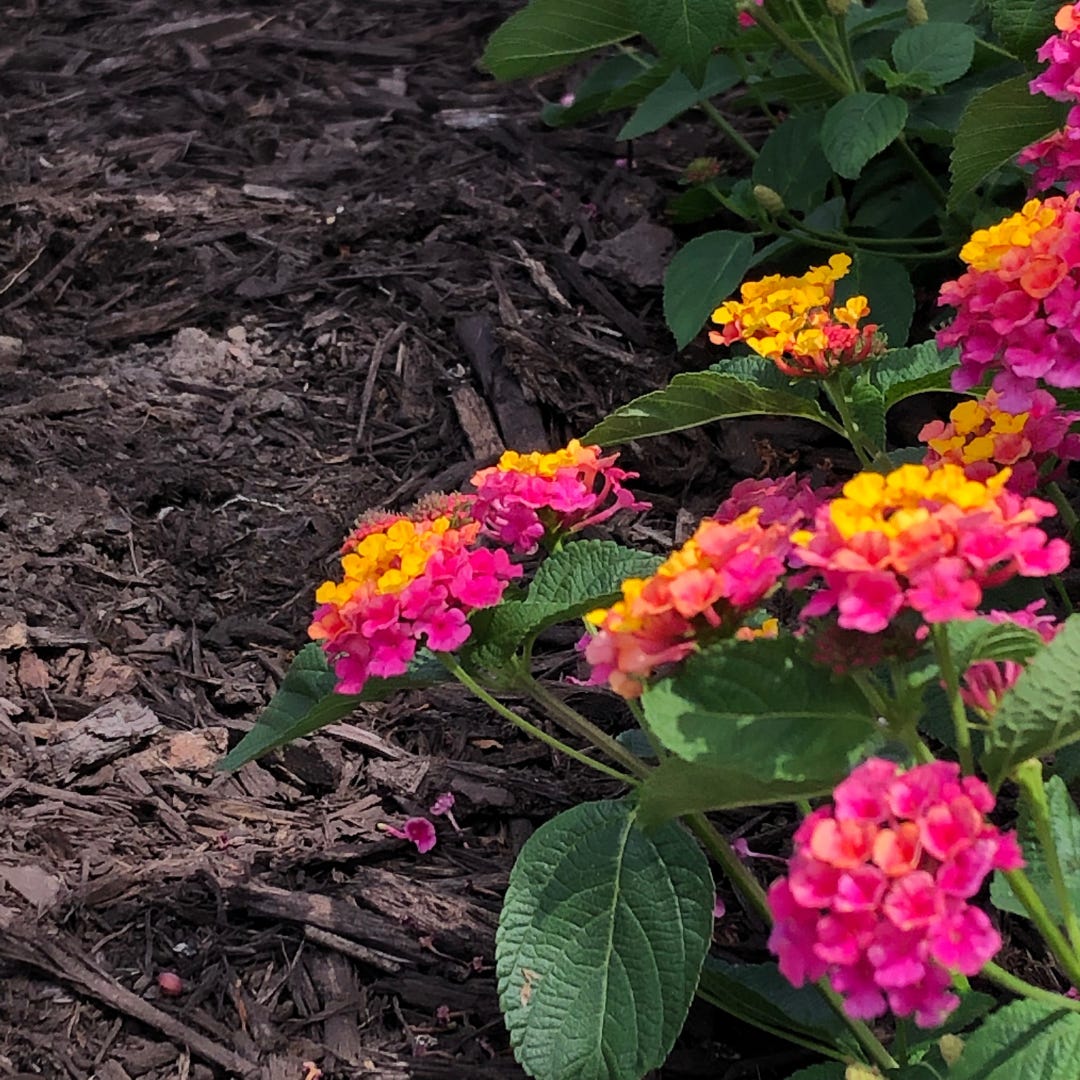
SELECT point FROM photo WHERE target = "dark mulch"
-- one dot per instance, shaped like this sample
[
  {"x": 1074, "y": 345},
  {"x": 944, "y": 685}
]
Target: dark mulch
[{"x": 265, "y": 266}]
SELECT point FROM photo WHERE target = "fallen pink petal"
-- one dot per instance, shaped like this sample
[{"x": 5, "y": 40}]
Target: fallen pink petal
[{"x": 418, "y": 831}]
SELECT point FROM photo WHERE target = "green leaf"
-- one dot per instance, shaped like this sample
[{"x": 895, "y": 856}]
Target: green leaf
[
  {"x": 997, "y": 124},
  {"x": 1025, "y": 1039},
  {"x": 1023, "y": 25},
  {"x": 306, "y": 701},
  {"x": 634, "y": 91},
  {"x": 755, "y": 369},
  {"x": 548, "y": 34},
  {"x": 582, "y": 575},
  {"x": 608, "y": 78},
  {"x": 758, "y": 994},
  {"x": 685, "y": 30},
  {"x": 700, "y": 397},
  {"x": 886, "y": 284},
  {"x": 1041, "y": 713},
  {"x": 827, "y": 1070},
  {"x": 868, "y": 409},
  {"x": 902, "y": 373},
  {"x": 792, "y": 163},
  {"x": 972, "y": 640},
  {"x": 858, "y": 127},
  {"x": 700, "y": 276},
  {"x": 1065, "y": 829},
  {"x": 677, "y": 94},
  {"x": 941, "y": 51},
  {"x": 601, "y": 940},
  {"x": 760, "y": 706}
]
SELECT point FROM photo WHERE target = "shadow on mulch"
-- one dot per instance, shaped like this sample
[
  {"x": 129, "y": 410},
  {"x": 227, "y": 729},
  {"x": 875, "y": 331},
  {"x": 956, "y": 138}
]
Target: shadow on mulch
[{"x": 265, "y": 269}]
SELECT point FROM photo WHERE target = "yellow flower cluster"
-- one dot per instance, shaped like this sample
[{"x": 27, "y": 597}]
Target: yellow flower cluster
[
  {"x": 987, "y": 247},
  {"x": 389, "y": 560},
  {"x": 895, "y": 503},
  {"x": 571, "y": 456},
  {"x": 781, "y": 315},
  {"x": 976, "y": 428}
]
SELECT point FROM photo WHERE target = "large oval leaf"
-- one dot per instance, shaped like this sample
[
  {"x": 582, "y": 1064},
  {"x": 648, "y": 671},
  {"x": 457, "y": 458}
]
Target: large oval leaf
[
  {"x": 600, "y": 945},
  {"x": 860, "y": 126},
  {"x": 702, "y": 274},
  {"x": 1025, "y": 1039}
]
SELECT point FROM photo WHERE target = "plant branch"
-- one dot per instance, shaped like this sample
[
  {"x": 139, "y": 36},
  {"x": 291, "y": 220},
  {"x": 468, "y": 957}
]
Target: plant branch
[
  {"x": 1022, "y": 988},
  {"x": 835, "y": 391},
  {"x": 921, "y": 171},
  {"x": 949, "y": 675},
  {"x": 807, "y": 59},
  {"x": 530, "y": 729},
  {"x": 718, "y": 118},
  {"x": 1025, "y": 892}
]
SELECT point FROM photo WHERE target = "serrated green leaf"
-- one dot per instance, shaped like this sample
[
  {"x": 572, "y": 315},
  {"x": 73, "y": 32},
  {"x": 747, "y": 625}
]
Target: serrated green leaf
[
  {"x": 886, "y": 284},
  {"x": 582, "y": 575},
  {"x": 676, "y": 95},
  {"x": 756, "y": 369},
  {"x": 942, "y": 51},
  {"x": 685, "y": 30},
  {"x": 761, "y": 706},
  {"x": 636, "y": 90},
  {"x": 868, "y": 411},
  {"x": 1065, "y": 829},
  {"x": 600, "y": 943},
  {"x": 700, "y": 397},
  {"x": 693, "y": 205},
  {"x": 1023, "y": 25},
  {"x": 902, "y": 373},
  {"x": 700, "y": 276},
  {"x": 792, "y": 163},
  {"x": 1025, "y": 1039},
  {"x": 306, "y": 701},
  {"x": 858, "y": 127},
  {"x": 548, "y": 34},
  {"x": 758, "y": 994},
  {"x": 1041, "y": 713},
  {"x": 996, "y": 125}
]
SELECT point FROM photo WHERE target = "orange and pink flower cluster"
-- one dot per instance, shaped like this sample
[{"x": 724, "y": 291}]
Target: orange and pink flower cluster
[
  {"x": 981, "y": 437},
  {"x": 415, "y": 578},
  {"x": 792, "y": 322},
  {"x": 876, "y": 894},
  {"x": 927, "y": 540},
  {"x": 700, "y": 593},
  {"x": 1017, "y": 304}
]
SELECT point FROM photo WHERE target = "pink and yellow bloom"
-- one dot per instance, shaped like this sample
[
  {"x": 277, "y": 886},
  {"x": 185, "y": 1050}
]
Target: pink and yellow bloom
[
  {"x": 701, "y": 593},
  {"x": 792, "y": 322},
  {"x": 526, "y": 497},
  {"x": 981, "y": 437},
  {"x": 407, "y": 578},
  {"x": 925, "y": 540},
  {"x": 1018, "y": 304},
  {"x": 877, "y": 890}
]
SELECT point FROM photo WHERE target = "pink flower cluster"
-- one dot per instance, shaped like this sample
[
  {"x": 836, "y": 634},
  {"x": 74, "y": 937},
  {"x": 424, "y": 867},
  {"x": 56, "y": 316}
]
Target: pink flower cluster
[
  {"x": 876, "y": 892},
  {"x": 527, "y": 496},
  {"x": 982, "y": 437},
  {"x": 1057, "y": 157},
  {"x": 986, "y": 682},
  {"x": 926, "y": 540},
  {"x": 1017, "y": 305},
  {"x": 787, "y": 500},
  {"x": 407, "y": 577}
]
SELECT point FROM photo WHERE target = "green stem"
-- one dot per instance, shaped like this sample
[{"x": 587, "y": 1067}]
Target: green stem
[
  {"x": 574, "y": 722},
  {"x": 1029, "y": 775},
  {"x": 1025, "y": 892},
  {"x": 717, "y": 845},
  {"x": 949, "y": 675},
  {"x": 807, "y": 59},
  {"x": 815, "y": 239},
  {"x": 1022, "y": 988},
  {"x": 530, "y": 729},
  {"x": 1064, "y": 509},
  {"x": 842, "y": 39},
  {"x": 835, "y": 391},
  {"x": 837, "y": 64},
  {"x": 718, "y": 118},
  {"x": 921, "y": 171}
]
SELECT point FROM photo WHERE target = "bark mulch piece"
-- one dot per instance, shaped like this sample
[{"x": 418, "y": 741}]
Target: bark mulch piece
[{"x": 265, "y": 266}]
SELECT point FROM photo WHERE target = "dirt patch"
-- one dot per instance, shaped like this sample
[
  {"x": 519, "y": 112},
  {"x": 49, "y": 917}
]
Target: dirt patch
[{"x": 265, "y": 267}]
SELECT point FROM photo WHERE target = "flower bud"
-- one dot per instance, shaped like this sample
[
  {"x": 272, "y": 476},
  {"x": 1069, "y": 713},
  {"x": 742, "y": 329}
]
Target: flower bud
[
  {"x": 916, "y": 12},
  {"x": 769, "y": 200},
  {"x": 951, "y": 1047},
  {"x": 838, "y": 7},
  {"x": 858, "y": 1071},
  {"x": 701, "y": 170}
]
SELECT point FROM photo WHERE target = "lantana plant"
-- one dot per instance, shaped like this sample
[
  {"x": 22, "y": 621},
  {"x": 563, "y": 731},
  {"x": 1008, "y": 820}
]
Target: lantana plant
[{"x": 892, "y": 660}]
